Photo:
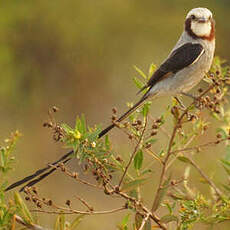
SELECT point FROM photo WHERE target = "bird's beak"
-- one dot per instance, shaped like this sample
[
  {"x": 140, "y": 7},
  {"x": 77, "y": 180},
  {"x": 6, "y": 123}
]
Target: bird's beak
[{"x": 202, "y": 20}]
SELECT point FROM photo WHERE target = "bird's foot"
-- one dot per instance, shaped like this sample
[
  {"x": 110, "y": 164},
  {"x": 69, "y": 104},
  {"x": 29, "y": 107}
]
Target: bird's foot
[
  {"x": 197, "y": 101},
  {"x": 189, "y": 95}
]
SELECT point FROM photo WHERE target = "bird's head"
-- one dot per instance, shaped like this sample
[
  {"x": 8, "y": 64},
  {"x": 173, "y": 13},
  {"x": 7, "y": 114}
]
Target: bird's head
[{"x": 200, "y": 24}]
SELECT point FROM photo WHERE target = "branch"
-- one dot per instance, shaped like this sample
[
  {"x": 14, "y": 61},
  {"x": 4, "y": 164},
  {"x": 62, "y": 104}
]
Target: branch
[
  {"x": 133, "y": 154},
  {"x": 72, "y": 211},
  {"x": 209, "y": 181},
  {"x": 90, "y": 208},
  {"x": 143, "y": 222},
  {"x": 200, "y": 146},
  {"x": 74, "y": 175}
]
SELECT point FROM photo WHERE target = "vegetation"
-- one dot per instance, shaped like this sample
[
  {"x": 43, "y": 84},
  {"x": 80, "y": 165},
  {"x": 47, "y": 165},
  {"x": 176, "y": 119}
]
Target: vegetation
[{"x": 177, "y": 202}]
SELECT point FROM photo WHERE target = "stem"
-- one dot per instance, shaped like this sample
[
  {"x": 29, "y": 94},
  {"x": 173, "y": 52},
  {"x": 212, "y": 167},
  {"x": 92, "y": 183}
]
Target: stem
[
  {"x": 143, "y": 222},
  {"x": 133, "y": 154},
  {"x": 72, "y": 211},
  {"x": 209, "y": 181}
]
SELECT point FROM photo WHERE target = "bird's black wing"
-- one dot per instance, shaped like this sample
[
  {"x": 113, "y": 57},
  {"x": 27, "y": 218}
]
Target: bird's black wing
[{"x": 180, "y": 58}]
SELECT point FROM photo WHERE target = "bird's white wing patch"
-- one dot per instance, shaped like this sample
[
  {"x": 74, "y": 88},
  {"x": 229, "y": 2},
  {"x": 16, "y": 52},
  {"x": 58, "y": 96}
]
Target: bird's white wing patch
[{"x": 201, "y": 53}]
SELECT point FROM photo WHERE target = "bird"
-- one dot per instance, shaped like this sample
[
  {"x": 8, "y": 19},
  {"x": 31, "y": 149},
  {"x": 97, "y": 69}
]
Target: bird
[{"x": 186, "y": 65}]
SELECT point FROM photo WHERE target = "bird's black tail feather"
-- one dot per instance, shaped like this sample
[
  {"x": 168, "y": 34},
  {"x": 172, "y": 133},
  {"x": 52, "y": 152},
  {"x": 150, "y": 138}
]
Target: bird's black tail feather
[
  {"x": 121, "y": 118},
  {"x": 65, "y": 158},
  {"x": 39, "y": 172}
]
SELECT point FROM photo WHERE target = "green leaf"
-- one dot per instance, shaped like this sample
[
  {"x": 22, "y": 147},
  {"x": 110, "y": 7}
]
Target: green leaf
[
  {"x": 140, "y": 72},
  {"x": 76, "y": 222},
  {"x": 152, "y": 69},
  {"x": 26, "y": 215},
  {"x": 83, "y": 124},
  {"x": 107, "y": 143},
  {"x": 151, "y": 140},
  {"x": 184, "y": 159},
  {"x": 138, "y": 83},
  {"x": 146, "y": 171},
  {"x": 94, "y": 136},
  {"x": 226, "y": 165},
  {"x": 168, "y": 218},
  {"x": 3, "y": 159},
  {"x": 146, "y": 108},
  {"x": 227, "y": 188},
  {"x": 125, "y": 220},
  {"x": 133, "y": 184},
  {"x": 170, "y": 208},
  {"x": 227, "y": 155},
  {"x": 138, "y": 160},
  {"x": 62, "y": 222},
  {"x": 67, "y": 128}
]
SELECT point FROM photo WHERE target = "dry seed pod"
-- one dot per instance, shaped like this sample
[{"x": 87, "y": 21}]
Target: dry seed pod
[
  {"x": 114, "y": 110},
  {"x": 55, "y": 109},
  {"x": 68, "y": 202}
]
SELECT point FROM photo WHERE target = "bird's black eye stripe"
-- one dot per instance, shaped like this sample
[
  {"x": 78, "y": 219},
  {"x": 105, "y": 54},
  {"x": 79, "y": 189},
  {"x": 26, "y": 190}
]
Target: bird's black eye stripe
[{"x": 193, "y": 17}]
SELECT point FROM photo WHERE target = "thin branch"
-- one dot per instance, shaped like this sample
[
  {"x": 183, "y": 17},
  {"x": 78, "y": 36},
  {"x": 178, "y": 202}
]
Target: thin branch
[
  {"x": 154, "y": 155},
  {"x": 72, "y": 211},
  {"x": 75, "y": 176},
  {"x": 187, "y": 144},
  {"x": 85, "y": 203},
  {"x": 200, "y": 146},
  {"x": 28, "y": 225},
  {"x": 209, "y": 181},
  {"x": 143, "y": 222},
  {"x": 133, "y": 154}
]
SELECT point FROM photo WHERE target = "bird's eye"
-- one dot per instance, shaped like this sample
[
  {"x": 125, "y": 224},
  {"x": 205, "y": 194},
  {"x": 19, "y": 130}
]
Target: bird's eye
[{"x": 193, "y": 17}]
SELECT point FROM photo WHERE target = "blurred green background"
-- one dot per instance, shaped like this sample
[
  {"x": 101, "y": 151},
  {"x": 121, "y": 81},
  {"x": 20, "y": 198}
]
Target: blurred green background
[{"x": 79, "y": 56}]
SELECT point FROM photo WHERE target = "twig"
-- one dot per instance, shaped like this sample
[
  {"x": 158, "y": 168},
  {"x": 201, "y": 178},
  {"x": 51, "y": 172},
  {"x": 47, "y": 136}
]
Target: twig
[
  {"x": 187, "y": 144},
  {"x": 85, "y": 203},
  {"x": 143, "y": 222},
  {"x": 154, "y": 155},
  {"x": 197, "y": 147},
  {"x": 72, "y": 211},
  {"x": 209, "y": 181},
  {"x": 75, "y": 176},
  {"x": 200, "y": 146},
  {"x": 133, "y": 154},
  {"x": 28, "y": 225}
]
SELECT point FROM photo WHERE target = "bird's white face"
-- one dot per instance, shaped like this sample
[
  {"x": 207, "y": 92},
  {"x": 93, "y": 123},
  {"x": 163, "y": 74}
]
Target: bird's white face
[{"x": 200, "y": 22}]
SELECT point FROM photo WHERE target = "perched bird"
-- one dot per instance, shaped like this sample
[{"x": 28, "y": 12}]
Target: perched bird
[{"x": 186, "y": 65}]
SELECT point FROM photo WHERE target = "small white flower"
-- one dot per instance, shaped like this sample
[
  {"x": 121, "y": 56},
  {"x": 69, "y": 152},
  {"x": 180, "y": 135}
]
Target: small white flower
[{"x": 93, "y": 144}]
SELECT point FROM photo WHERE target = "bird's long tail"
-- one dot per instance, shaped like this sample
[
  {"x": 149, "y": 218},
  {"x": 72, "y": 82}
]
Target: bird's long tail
[
  {"x": 121, "y": 118},
  {"x": 41, "y": 173}
]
